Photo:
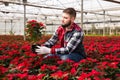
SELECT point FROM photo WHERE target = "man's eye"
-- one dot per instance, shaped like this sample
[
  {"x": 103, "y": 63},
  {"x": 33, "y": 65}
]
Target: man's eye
[{"x": 65, "y": 17}]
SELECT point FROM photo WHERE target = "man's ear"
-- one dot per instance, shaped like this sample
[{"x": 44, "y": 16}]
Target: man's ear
[{"x": 72, "y": 19}]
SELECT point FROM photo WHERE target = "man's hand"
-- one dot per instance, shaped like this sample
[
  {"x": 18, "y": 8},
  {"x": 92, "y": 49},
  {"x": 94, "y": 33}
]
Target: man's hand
[{"x": 42, "y": 50}]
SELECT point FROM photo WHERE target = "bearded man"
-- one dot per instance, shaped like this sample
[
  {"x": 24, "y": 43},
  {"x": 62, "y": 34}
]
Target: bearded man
[{"x": 70, "y": 37}]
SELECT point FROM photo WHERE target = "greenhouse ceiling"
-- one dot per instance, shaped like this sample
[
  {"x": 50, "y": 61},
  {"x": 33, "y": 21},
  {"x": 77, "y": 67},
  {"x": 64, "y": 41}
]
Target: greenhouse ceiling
[{"x": 50, "y": 11}]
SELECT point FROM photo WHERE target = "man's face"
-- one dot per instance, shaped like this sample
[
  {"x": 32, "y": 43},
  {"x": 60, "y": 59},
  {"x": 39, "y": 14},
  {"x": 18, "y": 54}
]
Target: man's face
[{"x": 66, "y": 20}]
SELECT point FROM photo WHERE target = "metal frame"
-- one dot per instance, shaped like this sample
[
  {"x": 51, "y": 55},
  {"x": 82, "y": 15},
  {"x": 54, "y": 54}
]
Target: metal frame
[{"x": 114, "y": 1}]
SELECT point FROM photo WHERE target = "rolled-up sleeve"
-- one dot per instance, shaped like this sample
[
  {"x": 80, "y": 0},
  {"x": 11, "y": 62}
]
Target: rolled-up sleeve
[{"x": 52, "y": 40}]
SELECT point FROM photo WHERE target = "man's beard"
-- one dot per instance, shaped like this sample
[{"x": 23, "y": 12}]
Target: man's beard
[{"x": 66, "y": 25}]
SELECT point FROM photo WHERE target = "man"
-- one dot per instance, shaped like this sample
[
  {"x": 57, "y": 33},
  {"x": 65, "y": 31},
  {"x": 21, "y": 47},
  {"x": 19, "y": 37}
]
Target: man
[{"x": 70, "y": 37}]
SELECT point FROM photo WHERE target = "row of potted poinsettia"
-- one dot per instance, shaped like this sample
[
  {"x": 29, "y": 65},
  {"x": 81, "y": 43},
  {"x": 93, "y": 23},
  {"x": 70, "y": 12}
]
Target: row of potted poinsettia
[{"x": 17, "y": 62}]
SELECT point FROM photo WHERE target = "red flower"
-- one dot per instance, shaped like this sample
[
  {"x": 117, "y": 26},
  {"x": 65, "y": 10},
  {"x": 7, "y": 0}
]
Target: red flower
[
  {"x": 94, "y": 73},
  {"x": 43, "y": 67},
  {"x": 40, "y": 76},
  {"x": 118, "y": 75},
  {"x": 41, "y": 24},
  {"x": 22, "y": 76},
  {"x": 4, "y": 57},
  {"x": 2, "y": 70},
  {"x": 83, "y": 76},
  {"x": 33, "y": 25},
  {"x": 34, "y": 30},
  {"x": 113, "y": 65},
  {"x": 31, "y": 21},
  {"x": 73, "y": 71},
  {"x": 14, "y": 46},
  {"x": 32, "y": 77},
  {"x": 59, "y": 74},
  {"x": 66, "y": 78},
  {"x": 97, "y": 78},
  {"x": 53, "y": 68},
  {"x": 26, "y": 47},
  {"x": 76, "y": 65},
  {"x": 60, "y": 62}
]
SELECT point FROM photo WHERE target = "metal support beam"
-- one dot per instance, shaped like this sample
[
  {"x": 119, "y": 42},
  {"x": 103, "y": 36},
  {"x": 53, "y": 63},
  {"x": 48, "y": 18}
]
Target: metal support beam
[
  {"x": 81, "y": 13},
  {"x": 104, "y": 23},
  {"x": 114, "y": 1},
  {"x": 28, "y": 4},
  {"x": 24, "y": 21},
  {"x": 106, "y": 9},
  {"x": 5, "y": 26},
  {"x": 24, "y": 2}
]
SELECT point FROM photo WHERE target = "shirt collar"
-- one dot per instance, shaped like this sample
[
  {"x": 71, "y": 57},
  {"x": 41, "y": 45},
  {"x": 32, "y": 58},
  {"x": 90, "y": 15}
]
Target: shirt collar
[{"x": 71, "y": 28}]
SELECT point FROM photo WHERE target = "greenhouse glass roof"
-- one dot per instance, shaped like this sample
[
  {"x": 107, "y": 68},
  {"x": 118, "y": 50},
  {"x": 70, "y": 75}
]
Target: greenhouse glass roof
[
  {"x": 52, "y": 9},
  {"x": 49, "y": 11}
]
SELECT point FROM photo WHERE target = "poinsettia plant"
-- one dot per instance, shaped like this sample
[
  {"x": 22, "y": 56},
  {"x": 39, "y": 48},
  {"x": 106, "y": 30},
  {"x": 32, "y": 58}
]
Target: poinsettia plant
[
  {"x": 17, "y": 62},
  {"x": 34, "y": 30}
]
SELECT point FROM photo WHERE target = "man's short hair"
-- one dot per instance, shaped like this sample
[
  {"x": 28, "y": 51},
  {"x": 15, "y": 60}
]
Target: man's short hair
[{"x": 70, "y": 11}]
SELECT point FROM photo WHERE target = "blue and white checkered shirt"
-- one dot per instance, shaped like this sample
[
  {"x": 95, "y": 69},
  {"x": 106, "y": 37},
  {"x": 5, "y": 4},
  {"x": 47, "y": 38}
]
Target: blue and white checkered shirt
[{"x": 69, "y": 40}]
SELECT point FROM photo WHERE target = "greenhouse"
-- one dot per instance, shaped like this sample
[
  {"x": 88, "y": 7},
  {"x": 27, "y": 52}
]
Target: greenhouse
[
  {"x": 102, "y": 15},
  {"x": 100, "y": 24}
]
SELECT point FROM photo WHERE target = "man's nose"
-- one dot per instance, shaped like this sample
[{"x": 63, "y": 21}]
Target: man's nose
[{"x": 62, "y": 20}]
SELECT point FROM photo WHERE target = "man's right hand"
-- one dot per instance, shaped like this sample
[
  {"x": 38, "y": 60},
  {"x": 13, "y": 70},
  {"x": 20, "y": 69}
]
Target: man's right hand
[{"x": 42, "y": 50}]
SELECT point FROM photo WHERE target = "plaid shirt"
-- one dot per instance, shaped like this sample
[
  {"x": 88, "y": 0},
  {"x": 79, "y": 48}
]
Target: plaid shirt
[{"x": 70, "y": 41}]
